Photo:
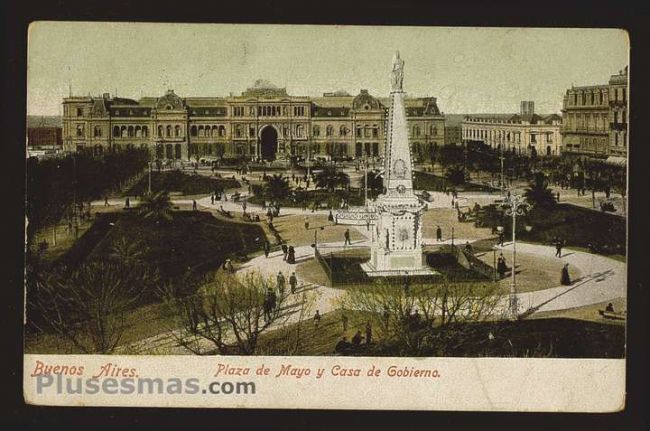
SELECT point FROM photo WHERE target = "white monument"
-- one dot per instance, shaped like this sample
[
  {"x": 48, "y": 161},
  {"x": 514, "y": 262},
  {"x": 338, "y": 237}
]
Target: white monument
[{"x": 397, "y": 241}]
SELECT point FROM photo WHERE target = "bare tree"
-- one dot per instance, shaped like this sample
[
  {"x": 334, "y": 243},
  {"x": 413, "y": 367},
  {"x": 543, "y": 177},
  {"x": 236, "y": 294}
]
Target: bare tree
[
  {"x": 410, "y": 315},
  {"x": 230, "y": 312},
  {"x": 88, "y": 306}
]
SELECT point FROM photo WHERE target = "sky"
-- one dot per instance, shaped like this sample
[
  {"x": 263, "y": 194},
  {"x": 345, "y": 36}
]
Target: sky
[{"x": 469, "y": 70}]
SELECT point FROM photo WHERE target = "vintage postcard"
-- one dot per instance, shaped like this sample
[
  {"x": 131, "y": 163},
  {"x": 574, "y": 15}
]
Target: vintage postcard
[{"x": 271, "y": 216}]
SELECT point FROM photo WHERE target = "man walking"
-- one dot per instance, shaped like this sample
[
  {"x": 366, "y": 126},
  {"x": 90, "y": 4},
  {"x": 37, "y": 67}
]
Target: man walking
[
  {"x": 347, "y": 237},
  {"x": 558, "y": 248},
  {"x": 317, "y": 319},
  {"x": 285, "y": 250}
]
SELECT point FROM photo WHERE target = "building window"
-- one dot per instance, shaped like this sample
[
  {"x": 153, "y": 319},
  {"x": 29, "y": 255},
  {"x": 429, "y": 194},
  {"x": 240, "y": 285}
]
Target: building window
[
  {"x": 193, "y": 131},
  {"x": 316, "y": 131},
  {"x": 80, "y": 130},
  {"x": 329, "y": 131},
  {"x": 416, "y": 131},
  {"x": 177, "y": 131},
  {"x": 238, "y": 111},
  {"x": 359, "y": 132},
  {"x": 375, "y": 132},
  {"x": 116, "y": 131},
  {"x": 169, "y": 131},
  {"x": 251, "y": 132},
  {"x": 98, "y": 132},
  {"x": 80, "y": 112},
  {"x": 343, "y": 131}
]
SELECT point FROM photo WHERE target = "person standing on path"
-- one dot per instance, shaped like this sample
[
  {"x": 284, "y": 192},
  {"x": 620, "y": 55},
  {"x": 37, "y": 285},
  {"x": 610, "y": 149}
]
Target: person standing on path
[
  {"x": 105, "y": 201},
  {"x": 438, "y": 234},
  {"x": 127, "y": 203},
  {"x": 347, "y": 237},
  {"x": 285, "y": 250},
  {"x": 193, "y": 205},
  {"x": 306, "y": 222},
  {"x": 344, "y": 321},
  {"x": 281, "y": 283},
  {"x": 293, "y": 282},
  {"x": 212, "y": 199},
  {"x": 267, "y": 248},
  {"x": 565, "y": 279},
  {"x": 317, "y": 319}
]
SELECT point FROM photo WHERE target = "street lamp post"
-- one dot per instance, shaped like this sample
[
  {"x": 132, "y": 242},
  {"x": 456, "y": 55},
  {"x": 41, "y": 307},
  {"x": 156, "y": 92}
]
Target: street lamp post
[
  {"x": 502, "y": 159},
  {"x": 514, "y": 205},
  {"x": 149, "y": 177}
]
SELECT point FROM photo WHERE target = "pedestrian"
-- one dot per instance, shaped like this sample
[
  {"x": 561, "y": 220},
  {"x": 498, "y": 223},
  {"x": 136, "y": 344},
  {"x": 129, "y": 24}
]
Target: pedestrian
[
  {"x": 501, "y": 236},
  {"x": 285, "y": 251},
  {"x": 212, "y": 199},
  {"x": 293, "y": 282},
  {"x": 344, "y": 321},
  {"x": 317, "y": 319},
  {"x": 281, "y": 283},
  {"x": 368, "y": 332},
  {"x": 127, "y": 203},
  {"x": 291, "y": 255},
  {"x": 501, "y": 265},
  {"x": 330, "y": 217},
  {"x": 468, "y": 247},
  {"x": 105, "y": 201},
  {"x": 346, "y": 234},
  {"x": 452, "y": 202},
  {"x": 565, "y": 279},
  {"x": 557, "y": 195},
  {"x": 243, "y": 205},
  {"x": 267, "y": 248},
  {"x": 306, "y": 222},
  {"x": 438, "y": 234},
  {"x": 356, "y": 340},
  {"x": 193, "y": 205},
  {"x": 558, "y": 248},
  {"x": 609, "y": 308}
]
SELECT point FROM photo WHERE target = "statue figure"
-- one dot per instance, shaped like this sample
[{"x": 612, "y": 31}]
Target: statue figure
[{"x": 397, "y": 74}]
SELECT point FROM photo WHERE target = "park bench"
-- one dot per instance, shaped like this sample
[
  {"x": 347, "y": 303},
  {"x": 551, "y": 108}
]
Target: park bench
[{"x": 614, "y": 315}]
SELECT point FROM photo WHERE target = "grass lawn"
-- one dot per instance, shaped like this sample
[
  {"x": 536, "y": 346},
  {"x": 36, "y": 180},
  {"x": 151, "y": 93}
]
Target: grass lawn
[
  {"x": 579, "y": 227},
  {"x": 180, "y": 182}
]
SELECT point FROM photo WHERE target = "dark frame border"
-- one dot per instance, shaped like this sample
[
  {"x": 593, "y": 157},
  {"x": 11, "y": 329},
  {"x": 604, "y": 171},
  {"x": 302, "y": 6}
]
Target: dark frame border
[{"x": 552, "y": 13}]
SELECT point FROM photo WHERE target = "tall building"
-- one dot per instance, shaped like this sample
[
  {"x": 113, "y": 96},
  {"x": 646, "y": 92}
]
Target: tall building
[
  {"x": 595, "y": 118},
  {"x": 524, "y": 133},
  {"x": 264, "y": 122}
]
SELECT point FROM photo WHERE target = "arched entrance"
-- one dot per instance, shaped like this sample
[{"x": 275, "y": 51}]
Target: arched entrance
[{"x": 269, "y": 137}]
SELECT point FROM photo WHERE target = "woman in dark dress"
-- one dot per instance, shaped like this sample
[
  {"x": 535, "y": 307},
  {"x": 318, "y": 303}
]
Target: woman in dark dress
[{"x": 565, "y": 279}]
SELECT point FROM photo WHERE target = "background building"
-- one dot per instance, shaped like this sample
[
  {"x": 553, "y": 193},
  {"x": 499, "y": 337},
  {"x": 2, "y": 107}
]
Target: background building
[
  {"x": 525, "y": 133},
  {"x": 595, "y": 118},
  {"x": 264, "y": 122}
]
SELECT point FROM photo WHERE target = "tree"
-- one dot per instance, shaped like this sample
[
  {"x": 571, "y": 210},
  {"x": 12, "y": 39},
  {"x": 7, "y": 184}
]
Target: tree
[
  {"x": 330, "y": 178},
  {"x": 456, "y": 175},
  {"x": 156, "y": 206},
  {"x": 88, "y": 306},
  {"x": 276, "y": 187},
  {"x": 229, "y": 313},
  {"x": 413, "y": 319},
  {"x": 538, "y": 193}
]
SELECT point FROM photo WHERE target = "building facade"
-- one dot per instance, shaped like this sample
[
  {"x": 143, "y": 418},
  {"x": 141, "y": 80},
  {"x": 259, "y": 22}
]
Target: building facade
[
  {"x": 263, "y": 123},
  {"x": 595, "y": 118},
  {"x": 524, "y": 133}
]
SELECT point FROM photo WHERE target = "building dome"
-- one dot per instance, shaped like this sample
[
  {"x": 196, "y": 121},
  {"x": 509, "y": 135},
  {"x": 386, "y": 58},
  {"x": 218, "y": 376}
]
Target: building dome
[
  {"x": 170, "y": 101},
  {"x": 365, "y": 101}
]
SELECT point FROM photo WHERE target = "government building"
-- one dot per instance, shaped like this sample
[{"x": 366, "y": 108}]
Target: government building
[
  {"x": 263, "y": 123},
  {"x": 524, "y": 133},
  {"x": 596, "y": 118}
]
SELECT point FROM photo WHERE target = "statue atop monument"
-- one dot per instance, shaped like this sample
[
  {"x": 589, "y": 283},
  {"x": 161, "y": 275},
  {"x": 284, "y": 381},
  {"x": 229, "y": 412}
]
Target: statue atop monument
[{"x": 397, "y": 74}]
